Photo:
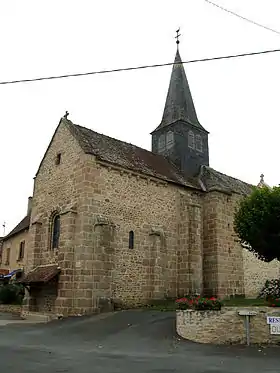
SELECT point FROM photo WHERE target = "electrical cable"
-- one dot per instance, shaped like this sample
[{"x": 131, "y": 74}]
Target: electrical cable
[{"x": 137, "y": 67}]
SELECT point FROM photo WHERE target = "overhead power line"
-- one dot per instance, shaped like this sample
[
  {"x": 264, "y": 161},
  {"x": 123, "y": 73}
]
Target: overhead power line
[
  {"x": 241, "y": 17},
  {"x": 137, "y": 67}
]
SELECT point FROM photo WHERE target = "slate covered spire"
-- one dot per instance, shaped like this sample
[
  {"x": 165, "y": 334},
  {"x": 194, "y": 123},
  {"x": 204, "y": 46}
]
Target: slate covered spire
[
  {"x": 179, "y": 103},
  {"x": 180, "y": 137}
]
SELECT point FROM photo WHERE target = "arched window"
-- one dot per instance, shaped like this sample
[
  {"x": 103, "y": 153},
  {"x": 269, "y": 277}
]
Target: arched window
[
  {"x": 191, "y": 143},
  {"x": 55, "y": 232},
  {"x": 198, "y": 143},
  {"x": 161, "y": 143},
  {"x": 131, "y": 240},
  {"x": 169, "y": 140}
]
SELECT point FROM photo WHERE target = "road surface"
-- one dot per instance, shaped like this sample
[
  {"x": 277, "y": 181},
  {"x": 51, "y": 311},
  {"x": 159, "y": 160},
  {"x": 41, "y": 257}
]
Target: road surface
[{"x": 122, "y": 342}]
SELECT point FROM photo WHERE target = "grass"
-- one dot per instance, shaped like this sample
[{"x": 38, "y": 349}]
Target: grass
[{"x": 244, "y": 302}]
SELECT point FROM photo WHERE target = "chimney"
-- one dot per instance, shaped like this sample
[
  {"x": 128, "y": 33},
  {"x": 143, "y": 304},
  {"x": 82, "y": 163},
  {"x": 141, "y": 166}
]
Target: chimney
[{"x": 29, "y": 205}]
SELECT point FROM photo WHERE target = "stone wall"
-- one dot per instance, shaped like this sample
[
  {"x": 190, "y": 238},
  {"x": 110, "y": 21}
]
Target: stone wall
[
  {"x": 256, "y": 272},
  {"x": 57, "y": 188},
  {"x": 11, "y": 308},
  {"x": 222, "y": 261},
  {"x": 163, "y": 259},
  {"x": 226, "y": 326}
]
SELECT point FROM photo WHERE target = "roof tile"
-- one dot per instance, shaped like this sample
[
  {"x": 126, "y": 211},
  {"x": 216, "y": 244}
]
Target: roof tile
[
  {"x": 41, "y": 274},
  {"x": 129, "y": 156}
]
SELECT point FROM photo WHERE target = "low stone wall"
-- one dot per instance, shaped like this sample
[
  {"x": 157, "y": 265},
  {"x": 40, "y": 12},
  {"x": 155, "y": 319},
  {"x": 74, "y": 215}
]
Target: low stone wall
[
  {"x": 10, "y": 308},
  {"x": 226, "y": 326}
]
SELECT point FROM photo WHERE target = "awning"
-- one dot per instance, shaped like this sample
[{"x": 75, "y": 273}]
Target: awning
[
  {"x": 41, "y": 274},
  {"x": 11, "y": 274}
]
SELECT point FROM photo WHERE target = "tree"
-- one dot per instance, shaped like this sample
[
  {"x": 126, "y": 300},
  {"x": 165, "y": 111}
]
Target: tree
[{"x": 257, "y": 223}]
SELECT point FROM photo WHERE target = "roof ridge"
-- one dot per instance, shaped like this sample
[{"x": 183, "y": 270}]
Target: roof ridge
[{"x": 232, "y": 177}]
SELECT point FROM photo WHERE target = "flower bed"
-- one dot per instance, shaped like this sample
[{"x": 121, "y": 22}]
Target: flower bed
[{"x": 198, "y": 303}]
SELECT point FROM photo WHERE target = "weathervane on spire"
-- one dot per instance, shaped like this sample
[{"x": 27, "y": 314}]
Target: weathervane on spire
[{"x": 177, "y": 37}]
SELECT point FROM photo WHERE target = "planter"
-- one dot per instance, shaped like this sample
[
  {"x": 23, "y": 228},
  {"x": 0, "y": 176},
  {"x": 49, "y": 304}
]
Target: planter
[{"x": 226, "y": 326}]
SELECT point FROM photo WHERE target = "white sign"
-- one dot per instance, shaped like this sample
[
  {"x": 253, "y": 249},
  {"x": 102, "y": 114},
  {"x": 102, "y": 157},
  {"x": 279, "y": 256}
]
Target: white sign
[
  {"x": 274, "y": 328},
  {"x": 247, "y": 313},
  {"x": 273, "y": 320}
]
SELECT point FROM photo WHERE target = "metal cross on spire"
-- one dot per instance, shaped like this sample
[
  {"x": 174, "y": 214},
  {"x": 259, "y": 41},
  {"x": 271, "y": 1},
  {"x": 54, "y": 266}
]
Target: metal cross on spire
[{"x": 177, "y": 37}]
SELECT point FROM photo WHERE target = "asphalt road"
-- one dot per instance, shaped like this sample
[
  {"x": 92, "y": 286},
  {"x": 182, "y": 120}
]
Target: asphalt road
[{"x": 128, "y": 341}]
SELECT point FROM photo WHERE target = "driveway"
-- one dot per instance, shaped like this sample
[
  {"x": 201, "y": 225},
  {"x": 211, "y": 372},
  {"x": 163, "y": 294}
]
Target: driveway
[{"x": 123, "y": 342}]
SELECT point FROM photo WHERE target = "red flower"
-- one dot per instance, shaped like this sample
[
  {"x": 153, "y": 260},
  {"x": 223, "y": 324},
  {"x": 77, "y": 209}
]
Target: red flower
[
  {"x": 181, "y": 300},
  {"x": 273, "y": 305}
]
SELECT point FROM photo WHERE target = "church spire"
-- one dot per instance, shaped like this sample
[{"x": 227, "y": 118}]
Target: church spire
[
  {"x": 180, "y": 137},
  {"x": 179, "y": 103}
]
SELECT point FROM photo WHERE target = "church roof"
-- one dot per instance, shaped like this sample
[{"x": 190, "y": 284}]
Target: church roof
[
  {"x": 132, "y": 157},
  {"x": 22, "y": 226},
  {"x": 214, "y": 180},
  {"x": 179, "y": 103},
  {"x": 129, "y": 156}
]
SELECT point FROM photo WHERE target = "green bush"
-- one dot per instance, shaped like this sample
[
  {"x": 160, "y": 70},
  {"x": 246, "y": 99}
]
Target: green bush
[
  {"x": 271, "y": 289},
  {"x": 11, "y": 294}
]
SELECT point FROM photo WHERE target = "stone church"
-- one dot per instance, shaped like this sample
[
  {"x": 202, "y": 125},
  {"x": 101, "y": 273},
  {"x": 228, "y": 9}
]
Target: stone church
[{"x": 112, "y": 222}]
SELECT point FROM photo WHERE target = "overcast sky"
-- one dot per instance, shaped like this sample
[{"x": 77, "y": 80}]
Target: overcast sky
[{"x": 237, "y": 100}]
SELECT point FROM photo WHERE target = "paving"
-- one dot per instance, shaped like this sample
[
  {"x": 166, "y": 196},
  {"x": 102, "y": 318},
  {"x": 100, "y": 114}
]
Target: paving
[{"x": 127, "y": 341}]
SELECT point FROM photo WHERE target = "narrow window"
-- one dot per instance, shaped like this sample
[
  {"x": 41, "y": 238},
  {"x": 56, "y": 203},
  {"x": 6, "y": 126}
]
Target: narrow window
[
  {"x": 131, "y": 240},
  {"x": 55, "y": 232},
  {"x": 191, "y": 143},
  {"x": 161, "y": 143},
  {"x": 58, "y": 159},
  {"x": 169, "y": 140},
  {"x": 8, "y": 256},
  {"x": 198, "y": 143},
  {"x": 21, "y": 250}
]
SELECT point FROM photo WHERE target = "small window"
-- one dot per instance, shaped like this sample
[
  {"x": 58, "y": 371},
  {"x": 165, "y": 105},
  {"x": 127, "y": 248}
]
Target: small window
[
  {"x": 198, "y": 143},
  {"x": 169, "y": 140},
  {"x": 21, "y": 250},
  {"x": 191, "y": 143},
  {"x": 55, "y": 232},
  {"x": 131, "y": 240},
  {"x": 8, "y": 256},
  {"x": 161, "y": 143},
  {"x": 58, "y": 159}
]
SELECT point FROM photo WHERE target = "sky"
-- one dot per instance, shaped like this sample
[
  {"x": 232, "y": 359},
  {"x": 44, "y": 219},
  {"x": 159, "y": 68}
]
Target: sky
[{"x": 236, "y": 100}]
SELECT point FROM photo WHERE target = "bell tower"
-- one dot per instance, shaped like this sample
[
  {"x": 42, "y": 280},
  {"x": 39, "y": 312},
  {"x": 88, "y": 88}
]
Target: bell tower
[{"x": 180, "y": 137}]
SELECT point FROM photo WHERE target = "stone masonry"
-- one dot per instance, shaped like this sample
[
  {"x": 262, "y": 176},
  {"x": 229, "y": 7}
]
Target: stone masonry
[
  {"x": 183, "y": 239},
  {"x": 226, "y": 326}
]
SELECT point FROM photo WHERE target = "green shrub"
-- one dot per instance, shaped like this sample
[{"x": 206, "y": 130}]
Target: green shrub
[
  {"x": 270, "y": 290},
  {"x": 11, "y": 294}
]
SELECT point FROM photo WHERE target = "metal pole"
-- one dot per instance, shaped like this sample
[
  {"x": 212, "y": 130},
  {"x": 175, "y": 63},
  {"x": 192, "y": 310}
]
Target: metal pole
[{"x": 247, "y": 327}]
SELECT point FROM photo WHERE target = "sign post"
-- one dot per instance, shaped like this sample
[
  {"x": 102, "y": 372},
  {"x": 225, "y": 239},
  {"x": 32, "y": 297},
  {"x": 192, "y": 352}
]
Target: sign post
[{"x": 247, "y": 315}]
